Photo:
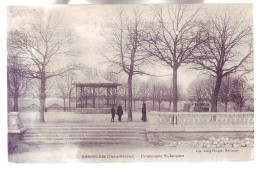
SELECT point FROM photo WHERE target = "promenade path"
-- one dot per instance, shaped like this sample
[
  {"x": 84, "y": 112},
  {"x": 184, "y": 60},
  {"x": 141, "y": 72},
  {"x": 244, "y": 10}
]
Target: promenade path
[
  {"x": 68, "y": 117},
  {"x": 112, "y": 152}
]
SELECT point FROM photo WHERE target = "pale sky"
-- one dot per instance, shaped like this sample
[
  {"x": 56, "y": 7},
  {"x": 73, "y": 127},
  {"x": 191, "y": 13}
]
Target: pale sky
[{"x": 89, "y": 23}]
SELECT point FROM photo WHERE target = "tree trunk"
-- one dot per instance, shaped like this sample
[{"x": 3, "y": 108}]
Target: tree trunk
[
  {"x": 215, "y": 95},
  {"x": 153, "y": 104},
  {"x": 42, "y": 99},
  {"x": 134, "y": 105},
  {"x": 16, "y": 92},
  {"x": 64, "y": 104},
  {"x": 69, "y": 103},
  {"x": 226, "y": 106},
  {"x": 16, "y": 103},
  {"x": 159, "y": 106},
  {"x": 94, "y": 97},
  {"x": 175, "y": 90},
  {"x": 130, "y": 97},
  {"x": 125, "y": 104},
  {"x": 70, "y": 96},
  {"x": 153, "y": 95},
  {"x": 170, "y": 105}
]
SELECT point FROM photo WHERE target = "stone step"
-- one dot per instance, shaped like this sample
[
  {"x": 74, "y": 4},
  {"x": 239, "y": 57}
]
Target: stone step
[
  {"x": 83, "y": 134},
  {"x": 89, "y": 141},
  {"x": 74, "y": 133},
  {"x": 107, "y": 133},
  {"x": 99, "y": 131},
  {"x": 96, "y": 139},
  {"x": 85, "y": 128},
  {"x": 84, "y": 131},
  {"x": 129, "y": 125},
  {"x": 85, "y": 137}
]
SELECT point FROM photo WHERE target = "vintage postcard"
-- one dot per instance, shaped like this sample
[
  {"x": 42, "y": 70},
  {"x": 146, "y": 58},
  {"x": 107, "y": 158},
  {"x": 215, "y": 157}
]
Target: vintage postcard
[{"x": 130, "y": 83}]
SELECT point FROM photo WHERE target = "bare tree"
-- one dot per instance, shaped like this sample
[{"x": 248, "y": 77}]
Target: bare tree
[
  {"x": 160, "y": 92},
  {"x": 111, "y": 76},
  {"x": 202, "y": 89},
  {"x": 136, "y": 91},
  {"x": 172, "y": 39},
  {"x": 169, "y": 96},
  {"x": 41, "y": 43},
  {"x": 152, "y": 90},
  {"x": 169, "y": 93},
  {"x": 125, "y": 41},
  {"x": 225, "y": 90},
  {"x": 62, "y": 93},
  {"x": 123, "y": 94},
  {"x": 65, "y": 87},
  {"x": 240, "y": 92},
  {"x": 17, "y": 84},
  {"x": 196, "y": 91},
  {"x": 227, "y": 46},
  {"x": 144, "y": 91},
  {"x": 34, "y": 89}
]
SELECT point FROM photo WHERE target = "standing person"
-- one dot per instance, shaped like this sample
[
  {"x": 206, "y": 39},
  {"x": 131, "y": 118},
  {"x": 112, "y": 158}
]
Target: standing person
[
  {"x": 119, "y": 112},
  {"x": 144, "y": 113},
  {"x": 113, "y": 112}
]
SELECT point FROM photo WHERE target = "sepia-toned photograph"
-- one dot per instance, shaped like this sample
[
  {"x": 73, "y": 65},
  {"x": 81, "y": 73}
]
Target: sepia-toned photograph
[{"x": 130, "y": 83}]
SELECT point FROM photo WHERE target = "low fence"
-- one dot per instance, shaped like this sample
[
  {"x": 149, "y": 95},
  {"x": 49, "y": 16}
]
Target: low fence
[
  {"x": 206, "y": 121},
  {"x": 164, "y": 128},
  {"x": 60, "y": 109}
]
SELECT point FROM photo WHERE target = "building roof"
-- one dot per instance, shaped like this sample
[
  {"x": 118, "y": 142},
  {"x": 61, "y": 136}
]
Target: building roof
[{"x": 91, "y": 80}]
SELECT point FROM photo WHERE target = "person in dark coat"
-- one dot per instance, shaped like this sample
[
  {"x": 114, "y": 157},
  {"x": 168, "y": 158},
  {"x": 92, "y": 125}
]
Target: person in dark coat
[
  {"x": 144, "y": 113},
  {"x": 113, "y": 112},
  {"x": 119, "y": 112}
]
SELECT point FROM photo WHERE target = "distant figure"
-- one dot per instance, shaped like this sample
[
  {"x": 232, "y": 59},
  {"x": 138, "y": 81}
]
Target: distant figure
[
  {"x": 119, "y": 112},
  {"x": 144, "y": 113},
  {"x": 113, "y": 112}
]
